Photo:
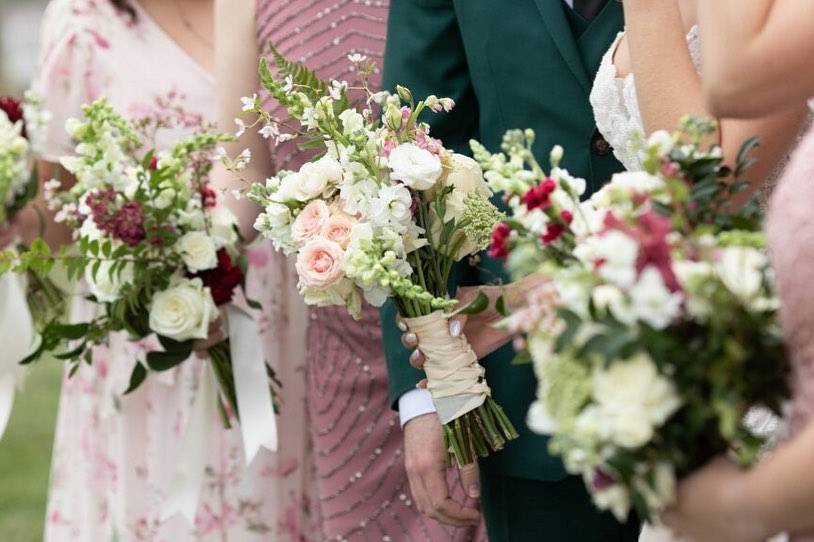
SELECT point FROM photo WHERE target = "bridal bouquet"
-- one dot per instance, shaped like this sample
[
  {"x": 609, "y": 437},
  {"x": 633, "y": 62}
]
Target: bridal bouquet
[
  {"x": 385, "y": 212},
  {"x": 154, "y": 244},
  {"x": 657, "y": 331}
]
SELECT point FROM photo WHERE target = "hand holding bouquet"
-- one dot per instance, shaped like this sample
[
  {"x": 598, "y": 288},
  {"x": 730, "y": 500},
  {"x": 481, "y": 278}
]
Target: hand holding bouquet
[
  {"x": 657, "y": 331},
  {"x": 385, "y": 212}
]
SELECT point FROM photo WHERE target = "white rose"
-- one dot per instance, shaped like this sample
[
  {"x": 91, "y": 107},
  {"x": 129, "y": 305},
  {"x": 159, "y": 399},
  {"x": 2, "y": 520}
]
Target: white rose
[
  {"x": 184, "y": 311},
  {"x": 416, "y": 167},
  {"x": 198, "y": 251},
  {"x": 311, "y": 181},
  {"x": 540, "y": 420},
  {"x": 741, "y": 271},
  {"x": 104, "y": 287},
  {"x": 222, "y": 224}
]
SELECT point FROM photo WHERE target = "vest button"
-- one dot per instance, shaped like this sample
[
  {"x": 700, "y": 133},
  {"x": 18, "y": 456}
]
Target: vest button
[{"x": 600, "y": 145}]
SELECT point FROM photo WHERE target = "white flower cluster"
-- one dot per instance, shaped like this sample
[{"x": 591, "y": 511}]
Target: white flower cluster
[
  {"x": 350, "y": 217},
  {"x": 17, "y": 150},
  {"x": 115, "y": 190}
]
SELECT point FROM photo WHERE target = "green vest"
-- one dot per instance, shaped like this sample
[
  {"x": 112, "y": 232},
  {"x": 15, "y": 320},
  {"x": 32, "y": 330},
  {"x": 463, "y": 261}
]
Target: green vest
[{"x": 508, "y": 64}]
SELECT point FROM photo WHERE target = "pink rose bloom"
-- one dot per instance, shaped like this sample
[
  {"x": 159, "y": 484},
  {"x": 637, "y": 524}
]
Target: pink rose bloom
[
  {"x": 338, "y": 229},
  {"x": 319, "y": 264},
  {"x": 310, "y": 222}
]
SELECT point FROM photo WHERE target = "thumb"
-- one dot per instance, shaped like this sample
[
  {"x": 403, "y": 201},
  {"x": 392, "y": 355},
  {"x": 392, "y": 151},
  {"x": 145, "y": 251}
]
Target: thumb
[
  {"x": 470, "y": 480},
  {"x": 456, "y": 325}
]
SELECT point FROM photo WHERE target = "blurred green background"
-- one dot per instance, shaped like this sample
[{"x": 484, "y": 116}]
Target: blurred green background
[{"x": 25, "y": 450}]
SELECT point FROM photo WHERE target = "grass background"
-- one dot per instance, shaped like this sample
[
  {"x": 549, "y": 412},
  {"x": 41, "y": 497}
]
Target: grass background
[{"x": 25, "y": 455}]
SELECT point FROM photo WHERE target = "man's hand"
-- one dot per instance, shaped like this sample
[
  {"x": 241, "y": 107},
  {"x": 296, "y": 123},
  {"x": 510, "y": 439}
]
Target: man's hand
[{"x": 425, "y": 461}]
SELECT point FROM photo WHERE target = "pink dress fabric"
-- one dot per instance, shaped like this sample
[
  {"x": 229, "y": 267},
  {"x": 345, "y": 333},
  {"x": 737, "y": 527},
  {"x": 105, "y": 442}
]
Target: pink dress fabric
[
  {"x": 113, "y": 455},
  {"x": 363, "y": 489}
]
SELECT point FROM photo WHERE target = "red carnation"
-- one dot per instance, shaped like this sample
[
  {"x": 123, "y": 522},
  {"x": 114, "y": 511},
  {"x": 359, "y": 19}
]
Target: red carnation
[
  {"x": 553, "y": 232},
  {"x": 222, "y": 280},
  {"x": 500, "y": 241},
  {"x": 539, "y": 196}
]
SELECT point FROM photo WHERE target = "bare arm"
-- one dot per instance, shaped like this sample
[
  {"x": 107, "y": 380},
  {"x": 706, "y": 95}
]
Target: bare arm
[
  {"x": 669, "y": 87},
  {"x": 36, "y": 220},
  {"x": 722, "y": 502},
  {"x": 236, "y": 58},
  {"x": 757, "y": 54}
]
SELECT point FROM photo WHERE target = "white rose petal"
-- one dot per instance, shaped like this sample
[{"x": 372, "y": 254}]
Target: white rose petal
[
  {"x": 184, "y": 311},
  {"x": 198, "y": 250},
  {"x": 416, "y": 167}
]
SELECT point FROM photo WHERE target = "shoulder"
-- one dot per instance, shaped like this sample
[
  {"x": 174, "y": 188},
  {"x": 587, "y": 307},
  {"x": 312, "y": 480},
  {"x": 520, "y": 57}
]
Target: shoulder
[{"x": 92, "y": 21}]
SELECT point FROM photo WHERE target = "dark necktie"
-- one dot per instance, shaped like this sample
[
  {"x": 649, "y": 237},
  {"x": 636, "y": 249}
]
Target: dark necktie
[{"x": 589, "y": 8}]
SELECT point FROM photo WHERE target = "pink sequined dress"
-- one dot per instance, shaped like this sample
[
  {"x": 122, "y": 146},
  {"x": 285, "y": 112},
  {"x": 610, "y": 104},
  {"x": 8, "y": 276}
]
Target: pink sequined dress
[{"x": 362, "y": 484}]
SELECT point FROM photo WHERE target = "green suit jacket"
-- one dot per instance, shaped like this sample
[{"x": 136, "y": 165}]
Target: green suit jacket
[{"x": 508, "y": 64}]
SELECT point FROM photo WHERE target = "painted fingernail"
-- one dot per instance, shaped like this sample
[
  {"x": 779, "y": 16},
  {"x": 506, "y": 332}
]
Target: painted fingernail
[
  {"x": 414, "y": 356},
  {"x": 402, "y": 325},
  {"x": 456, "y": 328},
  {"x": 411, "y": 338},
  {"x": 474, "y": 491}
]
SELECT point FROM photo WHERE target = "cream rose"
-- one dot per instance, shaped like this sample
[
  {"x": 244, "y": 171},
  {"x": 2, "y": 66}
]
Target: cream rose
[
  {"x": 198, "y": 251},
  {"x": 465, "y": 177},
  {"x": 184, "y": 311},
  {"x": 310, "y": 222},
  {"x": 311, "y": 181},
  {"x": 415, "y": 167},
  {"x": 104, "y": 287},
  {"x": 319, "y": 264},
  {"x": 338, "y": 229}
]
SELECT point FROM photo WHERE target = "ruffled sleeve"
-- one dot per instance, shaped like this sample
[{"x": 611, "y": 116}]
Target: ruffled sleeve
[{"x": 70, "y": 73}]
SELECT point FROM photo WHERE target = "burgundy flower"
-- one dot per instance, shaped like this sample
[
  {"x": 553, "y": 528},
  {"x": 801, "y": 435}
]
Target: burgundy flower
[
  {"x": 13, "y": 109},
  {"x": 500, "y": 241},
  {"x": 602, "y": 480},
  {"x": 539, "y": 197},
  {"x": 129, "y": 223},
  {"x": 222, "y": 280},
  {"x": 103, "y": 210},
  {"x": 208, "y": 197},
  {"x": 153, "y": 163},
  {"x": 553, "y": 232},
  {"x": 567, "y": 217}
]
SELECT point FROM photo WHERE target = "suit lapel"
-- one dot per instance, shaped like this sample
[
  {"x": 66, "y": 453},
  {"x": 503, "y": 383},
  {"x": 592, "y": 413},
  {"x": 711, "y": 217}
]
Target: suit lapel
[{"x": 557, "y": 25}]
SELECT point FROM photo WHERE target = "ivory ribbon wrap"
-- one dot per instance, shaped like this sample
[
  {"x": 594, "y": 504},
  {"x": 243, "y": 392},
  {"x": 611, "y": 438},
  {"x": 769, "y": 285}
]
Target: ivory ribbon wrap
[
  {"x": 455, "y": 379},
  {"x": 185, "y": 485},
  {"x": 258, "y": 423},
  {"x": 16, "y": 338}
]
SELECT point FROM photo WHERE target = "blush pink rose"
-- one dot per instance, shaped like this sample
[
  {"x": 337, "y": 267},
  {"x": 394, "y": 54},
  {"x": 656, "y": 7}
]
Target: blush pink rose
[
  {"x": 319, "y": 264},
  {"x": 310, "y": 222},
  {"x": 338, "y": 229}
]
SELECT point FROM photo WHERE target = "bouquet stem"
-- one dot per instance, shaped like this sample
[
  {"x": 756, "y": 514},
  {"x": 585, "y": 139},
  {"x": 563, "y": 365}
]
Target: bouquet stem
[
  {"x": 222, "y": 367},
  {"x": 478, "y": 433}
]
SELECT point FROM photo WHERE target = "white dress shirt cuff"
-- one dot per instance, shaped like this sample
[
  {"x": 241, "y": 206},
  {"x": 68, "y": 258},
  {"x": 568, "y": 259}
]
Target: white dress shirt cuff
[{"x": 413, "y": 404}]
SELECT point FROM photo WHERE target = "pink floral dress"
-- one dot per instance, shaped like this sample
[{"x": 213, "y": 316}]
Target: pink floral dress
[{"x": 113, "y": 455}]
